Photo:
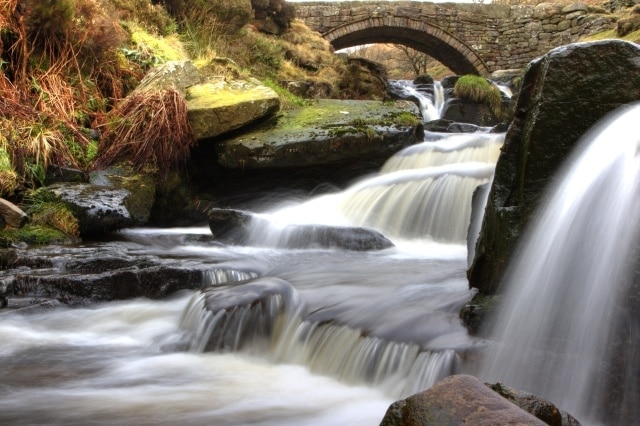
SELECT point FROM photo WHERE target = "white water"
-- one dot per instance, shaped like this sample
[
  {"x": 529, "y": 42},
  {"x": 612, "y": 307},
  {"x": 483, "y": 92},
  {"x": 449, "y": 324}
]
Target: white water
[
  {"x": 343, "y": 337},
  {"x": 564, "y": 289}
]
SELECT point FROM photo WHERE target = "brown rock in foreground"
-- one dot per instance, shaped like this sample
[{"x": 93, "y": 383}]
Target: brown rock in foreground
[{"x": 457, "y": 400}]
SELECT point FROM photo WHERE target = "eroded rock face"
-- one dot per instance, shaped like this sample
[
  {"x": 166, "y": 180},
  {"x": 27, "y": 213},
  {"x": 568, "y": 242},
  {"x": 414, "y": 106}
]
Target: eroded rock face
[
  {"x": 457, "y": 400},
  {"x": 564, "y": 93}
]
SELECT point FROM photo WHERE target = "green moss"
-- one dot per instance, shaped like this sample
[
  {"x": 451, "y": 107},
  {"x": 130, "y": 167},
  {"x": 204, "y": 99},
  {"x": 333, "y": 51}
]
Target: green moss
[
  {"x": 149, "y": 50},
  {"x": 45, "y": 210},
  {"x": 478, "y": 89},
  {"x": 35, "y": 234},
  {"x": 288, "y": 100}
]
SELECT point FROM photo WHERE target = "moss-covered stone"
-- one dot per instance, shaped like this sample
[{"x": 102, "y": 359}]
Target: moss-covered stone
[
  {"x": 325, "y": 132},
  {"x": 219, "y": 107}
]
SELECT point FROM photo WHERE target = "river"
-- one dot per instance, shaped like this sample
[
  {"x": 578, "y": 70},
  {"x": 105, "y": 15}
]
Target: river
[{"x": 362, "y": 330}]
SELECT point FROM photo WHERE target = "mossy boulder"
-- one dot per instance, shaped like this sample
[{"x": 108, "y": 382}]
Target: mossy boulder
[
  {"x": 323, "y": 133},
  {"x": 114, "y": 199},
  {"x": 218, "y": 107},
  {"x": 564, "y": 93}
]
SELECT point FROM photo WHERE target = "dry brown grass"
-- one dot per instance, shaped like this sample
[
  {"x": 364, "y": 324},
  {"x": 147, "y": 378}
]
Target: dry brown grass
[{"x": 148, "y": 129}]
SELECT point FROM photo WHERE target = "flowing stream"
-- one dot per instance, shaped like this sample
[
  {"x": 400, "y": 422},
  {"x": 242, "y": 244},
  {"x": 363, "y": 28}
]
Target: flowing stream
[
  {"x": 319, "y": 336},
  {"x": 336, "y": 337}
]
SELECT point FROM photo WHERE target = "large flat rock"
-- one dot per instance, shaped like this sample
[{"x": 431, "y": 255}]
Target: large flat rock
[{"x": 324, "y": 132}]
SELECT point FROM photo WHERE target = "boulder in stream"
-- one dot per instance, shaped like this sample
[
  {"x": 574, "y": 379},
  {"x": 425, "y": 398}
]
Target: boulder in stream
[{"x": 113, "y": 200}]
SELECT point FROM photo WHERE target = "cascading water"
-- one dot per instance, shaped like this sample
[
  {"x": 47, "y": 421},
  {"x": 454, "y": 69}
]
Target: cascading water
[
  {"x": 311, "y": 336},
  {"x": 567, "y": 290},
  {"x": 431, "y": 104},
  {"x": 422, "y": 193}
]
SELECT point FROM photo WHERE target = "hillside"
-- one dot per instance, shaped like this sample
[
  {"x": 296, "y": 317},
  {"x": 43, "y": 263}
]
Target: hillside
[{"x": 67, "y": 64}]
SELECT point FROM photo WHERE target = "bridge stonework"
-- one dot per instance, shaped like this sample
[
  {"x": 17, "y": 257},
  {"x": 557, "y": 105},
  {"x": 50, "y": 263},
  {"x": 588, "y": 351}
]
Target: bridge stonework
[{"x": 467, "y": 38}]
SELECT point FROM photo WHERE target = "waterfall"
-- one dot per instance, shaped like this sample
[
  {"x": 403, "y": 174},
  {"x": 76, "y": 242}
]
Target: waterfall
[
  {"x": 422, "y": 192},
  {"x": 346, "y": 353},
  {"x": 265, "y": 317},
  {"x": 567, "y": 290},
  {"x": 431, "y": 103}
]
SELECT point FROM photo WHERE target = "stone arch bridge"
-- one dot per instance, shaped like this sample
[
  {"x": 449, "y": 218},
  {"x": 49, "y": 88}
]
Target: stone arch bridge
[{"x": 467, "y": 38}]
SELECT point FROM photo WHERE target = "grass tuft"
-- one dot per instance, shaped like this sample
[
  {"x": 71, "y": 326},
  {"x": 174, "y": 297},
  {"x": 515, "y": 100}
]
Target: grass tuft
[
  {"x": 149, "y": 130},
  {"x": 478, "y": 89}
]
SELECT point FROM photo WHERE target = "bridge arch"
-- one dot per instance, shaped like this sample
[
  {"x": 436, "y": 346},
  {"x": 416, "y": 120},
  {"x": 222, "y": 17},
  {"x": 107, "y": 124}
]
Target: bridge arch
[{"x": 421, "y": 36}]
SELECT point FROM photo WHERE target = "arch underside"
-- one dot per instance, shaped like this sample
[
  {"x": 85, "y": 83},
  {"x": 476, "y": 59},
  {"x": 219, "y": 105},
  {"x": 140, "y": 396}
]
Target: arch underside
[{"x": 438, "y": 44}]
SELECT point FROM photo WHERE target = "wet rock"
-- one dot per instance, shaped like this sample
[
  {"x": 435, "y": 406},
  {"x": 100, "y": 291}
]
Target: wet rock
[
  {"x": 240, "y": 227},
  {"x": 111, "y": 201},
  {"x": 324, "y": 133},
  {"x": 449, "y": 126},
  {"x": 78, "y": 289},
  {"x": 84, "y": 276},
  {"x": 232, "y": 226},
  {"x": 466, "y": 111},
  {"x": 423, "y": 79},
  {"x": 555, "y": 107},
  {"x": 11, "y": 215},
  {"x": 457, "y": 400},
  {"x": 100, "y": 210},
  {"x": 541, "y": 408},
  {"x": 218, "y": 107}
]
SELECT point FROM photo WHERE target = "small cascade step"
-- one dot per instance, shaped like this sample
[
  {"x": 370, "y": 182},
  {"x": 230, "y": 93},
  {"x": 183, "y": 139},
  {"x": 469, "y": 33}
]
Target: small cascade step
[{"x": 229, "y": 317}]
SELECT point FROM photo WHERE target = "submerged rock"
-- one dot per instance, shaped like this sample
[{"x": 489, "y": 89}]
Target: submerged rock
[
  {"x": 241, "y": 227},
  {"x": 239, "y": 313},
  {"x": 457, "y": 400}
]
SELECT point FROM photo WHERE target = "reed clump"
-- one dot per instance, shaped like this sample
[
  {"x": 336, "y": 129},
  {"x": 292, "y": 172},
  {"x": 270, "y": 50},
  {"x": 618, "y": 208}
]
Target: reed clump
[{"x": 150, "y": 130}]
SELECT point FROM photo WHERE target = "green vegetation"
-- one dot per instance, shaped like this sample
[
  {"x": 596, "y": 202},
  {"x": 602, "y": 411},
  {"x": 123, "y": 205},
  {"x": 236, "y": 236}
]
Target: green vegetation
[
  {"x": 478, "y": 89},
  {"x": 33, "y": 234},
  {"x": 46, "y": 211}
]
